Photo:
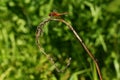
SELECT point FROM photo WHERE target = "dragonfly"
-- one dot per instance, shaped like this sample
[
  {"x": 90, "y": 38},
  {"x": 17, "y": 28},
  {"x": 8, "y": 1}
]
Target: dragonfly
[{"x": 56, "y": 14}]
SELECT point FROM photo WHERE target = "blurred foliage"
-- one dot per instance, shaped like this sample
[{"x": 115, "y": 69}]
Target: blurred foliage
[{"x": 96, "y": 21}]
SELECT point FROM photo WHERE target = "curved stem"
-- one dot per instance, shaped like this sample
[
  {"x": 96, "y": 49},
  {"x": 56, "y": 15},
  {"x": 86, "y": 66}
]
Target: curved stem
[
  {"x": 83, "y": 44},
  {"x": 39, "y": 31}
]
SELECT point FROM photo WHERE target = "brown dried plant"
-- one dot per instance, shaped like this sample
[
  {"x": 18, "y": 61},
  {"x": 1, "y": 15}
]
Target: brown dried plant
[{"x": 39, "y": 31}]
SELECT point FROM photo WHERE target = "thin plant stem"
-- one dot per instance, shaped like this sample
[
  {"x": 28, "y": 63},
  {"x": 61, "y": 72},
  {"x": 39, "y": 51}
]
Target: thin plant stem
[
  {"x": 83, "y": 44},
  {"x": 39, "y": 31}
]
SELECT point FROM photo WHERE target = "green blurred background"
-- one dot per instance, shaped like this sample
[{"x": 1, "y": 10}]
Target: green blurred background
[{"x": 96, "y": 21}]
